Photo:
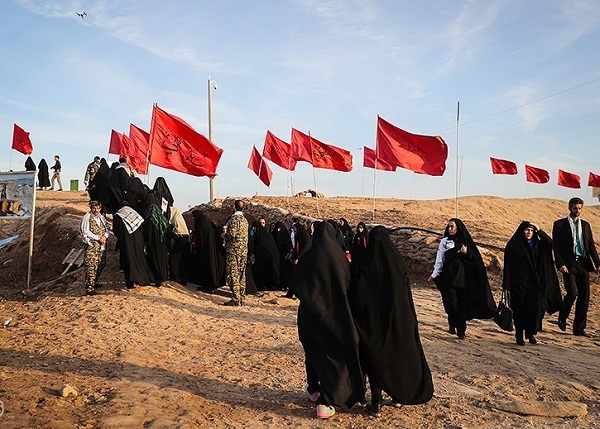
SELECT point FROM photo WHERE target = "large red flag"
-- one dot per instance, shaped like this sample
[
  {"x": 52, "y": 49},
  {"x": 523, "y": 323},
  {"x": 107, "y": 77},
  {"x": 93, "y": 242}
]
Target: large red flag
[
  {"x": 568, "y": 180},
  {"x": 278, "y": 151},
  {"x": 21, "y": 141},
  {"x": 300, "y": 146},
  {"x": 369, "y": 156},
  {"x": 139, "y": 145},
  {"x": 116, "y": 140},
  {"x": 176, "y": 146},
  {"x": 536, "y": 175},
  {"x": 421, "y": 154},
  {"x": 319, "y": 154},
  {"x": 260, "y": 167},
  {"x": 594, "y": 180},
  {"x": 502, "y": 166},
  {"x": 330, "y": 157}
]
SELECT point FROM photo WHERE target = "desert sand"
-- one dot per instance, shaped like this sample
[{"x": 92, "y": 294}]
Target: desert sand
[{"x": 174, "y": 357}]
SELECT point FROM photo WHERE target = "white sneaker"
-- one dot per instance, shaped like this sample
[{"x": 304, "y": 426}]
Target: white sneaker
[{"x": 325, "y": 411}]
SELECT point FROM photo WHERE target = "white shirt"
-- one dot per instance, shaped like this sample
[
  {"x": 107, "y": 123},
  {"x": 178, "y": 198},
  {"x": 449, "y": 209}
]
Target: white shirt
[
  {"x": 84, "y": 226},
  {"x": 445, "y": 244}
]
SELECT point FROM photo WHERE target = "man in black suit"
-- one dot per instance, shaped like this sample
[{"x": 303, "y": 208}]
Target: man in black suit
[{"x": 575, "y": 256}]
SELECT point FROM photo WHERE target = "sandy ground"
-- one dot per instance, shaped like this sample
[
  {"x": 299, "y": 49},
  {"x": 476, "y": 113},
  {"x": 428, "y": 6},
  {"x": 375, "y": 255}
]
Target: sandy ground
[{"x": 172, "y": 357}]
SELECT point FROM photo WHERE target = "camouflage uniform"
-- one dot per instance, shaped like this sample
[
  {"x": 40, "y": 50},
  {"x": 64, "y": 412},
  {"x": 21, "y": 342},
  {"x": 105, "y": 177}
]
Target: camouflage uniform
[
  {"x": 94, "y": 255},
  {"x": 91, "y": 171},
  {"x": 236, "y": 249}
]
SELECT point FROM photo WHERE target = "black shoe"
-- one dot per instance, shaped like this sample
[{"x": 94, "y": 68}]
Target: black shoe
[
  {"x": 90, "y": 291},
  {"x": 562, "y": 325},
  {"x": 461, "y": 336},
  {"x": 532, "y": 340},
  {"x": 520, "y": 341},
  {"x": 582, "y": 334},
  {"x": 452, "y": 330},
  {"x": 233, "y": 303},
  {"x": 373, "y": 409}
]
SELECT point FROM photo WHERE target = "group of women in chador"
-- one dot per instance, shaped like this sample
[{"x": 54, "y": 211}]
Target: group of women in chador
[
  {"x": 148, "y": 227},
  {"x": 529, "y": 280},
  {"x": 357, "y": 325}
]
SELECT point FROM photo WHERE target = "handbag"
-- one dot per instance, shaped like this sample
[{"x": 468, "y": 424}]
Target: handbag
[{"x": 504, "y": 314}]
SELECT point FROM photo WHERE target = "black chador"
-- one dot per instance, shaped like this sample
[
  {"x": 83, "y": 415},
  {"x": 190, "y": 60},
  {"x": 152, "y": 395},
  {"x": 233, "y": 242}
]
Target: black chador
[
  {"x": 325, "y": 325},
  {"x": 43, "y": 176},
  {"x": 382, "y": 305},
  {"x": 282, "y": 239},
  {"x": 265, "y": 269},
  {"x": 530, "y": 277},
  {"x": 155, "y": 237},
  {"x": 127, "y": 226},
  {"x": 204, "y": 270}
]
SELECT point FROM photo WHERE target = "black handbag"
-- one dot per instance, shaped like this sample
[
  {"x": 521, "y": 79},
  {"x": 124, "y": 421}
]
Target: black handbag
[{"x": 504, "y": 315}]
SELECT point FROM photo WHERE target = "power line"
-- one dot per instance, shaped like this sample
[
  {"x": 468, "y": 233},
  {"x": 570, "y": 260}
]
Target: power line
[{"x": 524, "y": 104}]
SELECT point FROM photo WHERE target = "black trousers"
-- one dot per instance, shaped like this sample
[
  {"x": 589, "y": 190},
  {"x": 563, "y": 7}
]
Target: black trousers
[
  {"x": 577, "y": 286},
  {"x": 455, "y": 307}
]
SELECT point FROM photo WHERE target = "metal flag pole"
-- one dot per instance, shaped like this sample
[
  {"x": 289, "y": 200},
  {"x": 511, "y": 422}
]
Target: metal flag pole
[
  {"x": 312, "y": 158},
  {"x": 211, "y": 85},
  {"x": 374, "y": 184},
  {"x": 31, "y": 232},
  {"x": 457, "y": 154}
]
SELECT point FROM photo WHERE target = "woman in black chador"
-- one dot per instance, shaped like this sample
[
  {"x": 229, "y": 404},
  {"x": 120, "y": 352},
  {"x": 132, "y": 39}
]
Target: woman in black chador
[
  {"x": 530, "y": 277},
  {"x": 205, "y": 268},
  {"x": 359, "y": 245},
  {"x": 282, "y": 239},
  {"x": 127, "y": 226},
  {"x": 155, "y": 237},
  {"x": 390, "y": 349},
  {"x": 265, "y": 269},
  {"x": 460, "y": 275},
  {"x": 325, "y": 325},
  {"x": 29, "y": 164},
  {"x": 43, "y": 176}
]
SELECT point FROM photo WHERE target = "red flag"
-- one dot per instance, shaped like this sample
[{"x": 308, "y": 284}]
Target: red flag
[
  {"x": 369, "y": 160},
  {"x": 594, "y": 180},
  {"x": 278, "y": 151},
  {"x": 330, "y": 157},
  {"x": 536, "y": 175},
  {"x": 319, "y": 154},
  {"x": 139, "y": 145},
  {"x": 502, "y": 166},
  {"x": 300, "y": 146},
  {"x": 21, "y": 141},
  {"x": 260, "y": 167},
  {"x": 421, "y": 154},
  {"x": 568, "y": 180},
  {"x": 176, "y": 146},
  {"x": 115, "y": 143}
]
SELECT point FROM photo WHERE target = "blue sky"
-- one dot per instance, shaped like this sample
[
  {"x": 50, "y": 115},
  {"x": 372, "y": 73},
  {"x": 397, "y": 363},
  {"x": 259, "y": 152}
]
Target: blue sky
[{"x": 327, "y": 67}]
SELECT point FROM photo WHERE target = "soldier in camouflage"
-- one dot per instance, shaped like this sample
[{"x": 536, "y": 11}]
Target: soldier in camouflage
[
  {"x": 91, "y": 171},
  {"x": 94, "y": 232},
  {"x": 236, "y": 250}
]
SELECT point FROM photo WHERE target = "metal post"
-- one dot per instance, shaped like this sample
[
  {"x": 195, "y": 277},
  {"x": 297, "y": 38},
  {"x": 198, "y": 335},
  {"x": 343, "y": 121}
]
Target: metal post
[{"x": 211, "y": 85}]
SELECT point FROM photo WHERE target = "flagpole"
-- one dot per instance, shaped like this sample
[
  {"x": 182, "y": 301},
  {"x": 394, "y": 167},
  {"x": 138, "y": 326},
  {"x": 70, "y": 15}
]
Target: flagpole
[
  {"x": 374, "y": 185},
  {"x": 259, "y": 171},
  {"x": 457, "y": 154},
  {"x": 211, "y": 85},
  {"x": 312, "y": 158},
  {"x": 31, "y": 232},
  {"x": 154, "y": 106},
  {"x": 10, "y": 162}
]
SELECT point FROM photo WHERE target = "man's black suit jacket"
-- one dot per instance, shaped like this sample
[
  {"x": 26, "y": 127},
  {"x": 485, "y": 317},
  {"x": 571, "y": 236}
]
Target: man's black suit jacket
[{"x": 562, "y": 243}]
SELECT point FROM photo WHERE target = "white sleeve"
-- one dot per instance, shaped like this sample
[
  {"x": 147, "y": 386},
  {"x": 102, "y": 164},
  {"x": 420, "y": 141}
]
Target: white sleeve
[
  {"x": 439, "y": 258},
  {"x": 87, "y": 234}
]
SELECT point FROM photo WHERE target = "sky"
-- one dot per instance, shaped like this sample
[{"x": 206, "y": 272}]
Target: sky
[{"x": 526, "y": 75}]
